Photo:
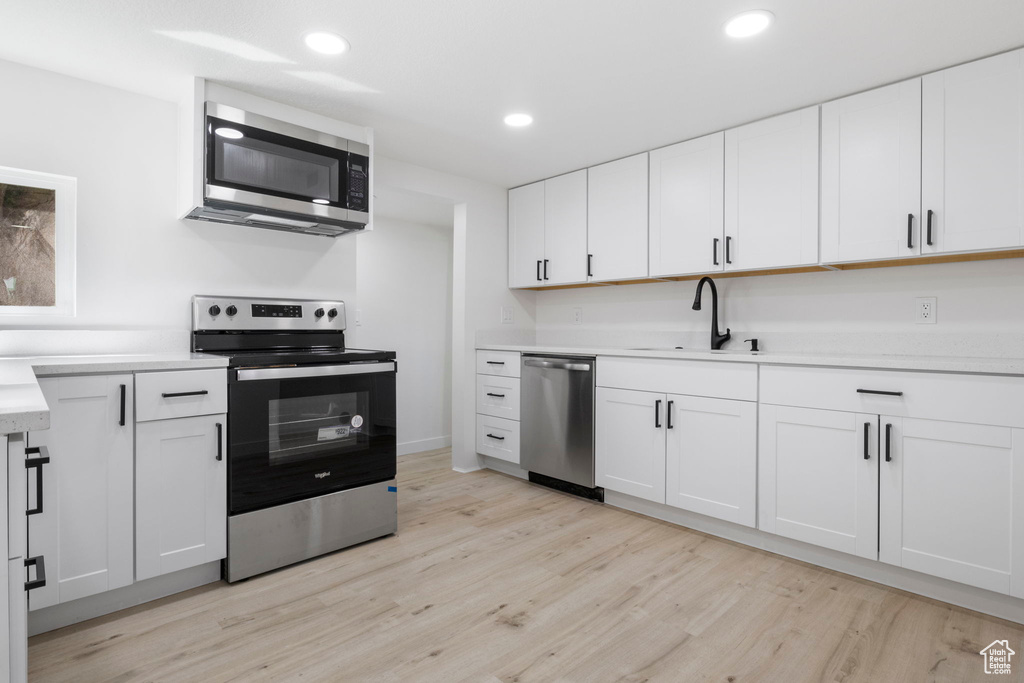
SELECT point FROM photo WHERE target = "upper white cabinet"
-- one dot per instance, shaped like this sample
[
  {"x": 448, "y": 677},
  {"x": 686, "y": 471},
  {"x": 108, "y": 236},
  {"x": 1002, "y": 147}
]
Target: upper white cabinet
[
  {"x": 871, "y": 175},
  {"x": 547, "y": 224},
  {"x": 617, "y": 219},
  {"x": 771, "y": 192},
  {"x": 83, "y": 526},
  {"x": 973, "y": 155},
  {"x": 687, "y": 216}
]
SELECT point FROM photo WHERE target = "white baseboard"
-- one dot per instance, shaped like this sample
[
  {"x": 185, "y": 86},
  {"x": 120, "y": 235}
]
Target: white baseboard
[
  {"x": 65, "y": 614},
  {"x": 504, "y": 467},
  {"x": 978, "y": 599},
  {"x": 424, "y": 445}
]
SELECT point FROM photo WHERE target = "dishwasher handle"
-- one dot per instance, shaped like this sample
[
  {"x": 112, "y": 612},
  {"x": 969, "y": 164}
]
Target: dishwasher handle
[{"x": 557, "y": 364}]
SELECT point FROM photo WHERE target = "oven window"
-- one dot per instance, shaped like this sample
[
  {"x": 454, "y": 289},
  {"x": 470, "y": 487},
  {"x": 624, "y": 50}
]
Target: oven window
[{"x": 308, "y": 426}]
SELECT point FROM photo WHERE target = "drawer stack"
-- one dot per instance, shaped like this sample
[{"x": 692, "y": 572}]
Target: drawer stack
[{"x": 497, "y": 404}]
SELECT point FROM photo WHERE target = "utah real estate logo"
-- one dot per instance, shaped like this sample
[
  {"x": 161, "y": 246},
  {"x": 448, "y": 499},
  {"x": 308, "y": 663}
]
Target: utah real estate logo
[{"x": 997, "y": 657}]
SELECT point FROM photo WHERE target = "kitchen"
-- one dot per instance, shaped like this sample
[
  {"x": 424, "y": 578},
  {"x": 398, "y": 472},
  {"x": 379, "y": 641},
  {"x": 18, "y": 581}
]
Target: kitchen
[{"x": 437, "y": 281}]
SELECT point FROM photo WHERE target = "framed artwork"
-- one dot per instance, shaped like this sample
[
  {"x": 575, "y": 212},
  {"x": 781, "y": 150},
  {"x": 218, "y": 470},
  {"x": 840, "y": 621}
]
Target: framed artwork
[{"x": 37, "y": 244}]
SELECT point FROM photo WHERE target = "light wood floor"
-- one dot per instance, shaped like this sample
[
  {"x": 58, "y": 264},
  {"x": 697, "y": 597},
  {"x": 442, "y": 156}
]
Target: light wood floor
[{"x": 493, "y": 579}]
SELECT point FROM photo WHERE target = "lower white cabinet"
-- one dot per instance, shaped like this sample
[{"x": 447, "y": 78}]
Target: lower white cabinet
[
  {"x": 83, "y": 524},
  {"x": 950, "y": 501},
  {"x": 498, "y": 438},
  {"x": 629, "y": 449},
  {"x": 181, "y": 502},
  {"x": 818, "y": 480}
]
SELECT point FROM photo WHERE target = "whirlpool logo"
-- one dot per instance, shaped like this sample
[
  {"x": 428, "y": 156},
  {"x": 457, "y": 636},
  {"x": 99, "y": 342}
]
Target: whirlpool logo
[{"x": 323, "y": 475}]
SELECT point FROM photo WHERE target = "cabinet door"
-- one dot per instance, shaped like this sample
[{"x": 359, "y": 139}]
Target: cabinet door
[
  {"x": 617, "y": 219},
  {"x": 85, "y": 529},
  {"x": 525, "y": 235},
  {"x": 630, "y": 448},
  {"x": 871, "y": 174},
  {"x": 711, "y": 460},
  {"x": 818, "y": 479},
  {"x": 686, "y": 226},
  {"x": 181, "y": 505},
  {"x": 950, "y": 502},
  {"x": 565, "y": 229},
  {"x": 771, "y": 192},
  {"x": 973, "y": 154}
]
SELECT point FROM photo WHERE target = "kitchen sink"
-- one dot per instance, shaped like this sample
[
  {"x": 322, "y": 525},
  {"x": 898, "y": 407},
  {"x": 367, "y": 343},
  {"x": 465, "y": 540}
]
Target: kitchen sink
[{"x": 656, "y": 348}]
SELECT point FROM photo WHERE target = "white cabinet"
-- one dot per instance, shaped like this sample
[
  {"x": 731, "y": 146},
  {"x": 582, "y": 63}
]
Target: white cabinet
[
  {"x": 629, "y": 449},
  {"x": 818, "y": 479},
  {"x": 771, "y": 192},
  {"x": 871, "y": 175},
  {"x": 181, "y": 494},
  {"x": 84, "y": 527},
  {"x": 687, "y": 220},
  {"x": 973, "y": 155},
  {"x": 547, "y": 224},
  {"x": 711, "y": 457},
  {"x": 617, "y": 219},
  {"x": 949, "y": 495},
  {"x": 497, "y": 404}
]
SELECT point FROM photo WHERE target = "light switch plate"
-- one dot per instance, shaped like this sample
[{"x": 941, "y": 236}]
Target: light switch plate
[
  {"x": 577, "y": 316},
  {"x": 508, "y": 315}
]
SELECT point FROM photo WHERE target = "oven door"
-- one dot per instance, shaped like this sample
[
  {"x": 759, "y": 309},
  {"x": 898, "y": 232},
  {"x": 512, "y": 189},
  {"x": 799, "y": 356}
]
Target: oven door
[{"x": 300, "y": 432}]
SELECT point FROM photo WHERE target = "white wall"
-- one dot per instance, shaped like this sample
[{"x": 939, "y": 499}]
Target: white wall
[
  {"x": 138, "y": 265},
  {"x": 404, "y": 281}
]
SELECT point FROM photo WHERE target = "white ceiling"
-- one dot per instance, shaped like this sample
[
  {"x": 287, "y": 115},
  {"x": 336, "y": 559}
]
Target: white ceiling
[{"x": 603, "y": 78}]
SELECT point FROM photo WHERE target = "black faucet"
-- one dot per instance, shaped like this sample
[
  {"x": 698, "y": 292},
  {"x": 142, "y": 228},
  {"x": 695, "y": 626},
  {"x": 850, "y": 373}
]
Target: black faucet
[{"x": 717, "y": 338}]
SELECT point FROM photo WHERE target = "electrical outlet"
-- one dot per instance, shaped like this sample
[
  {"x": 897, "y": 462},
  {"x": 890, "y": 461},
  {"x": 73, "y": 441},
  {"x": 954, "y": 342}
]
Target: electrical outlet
[
  {"x": 508, "y": 315},
  {"x": 359, "y": 317},
  {"x": 926, "y": 311},
  {"x": 577, "y": 316}
]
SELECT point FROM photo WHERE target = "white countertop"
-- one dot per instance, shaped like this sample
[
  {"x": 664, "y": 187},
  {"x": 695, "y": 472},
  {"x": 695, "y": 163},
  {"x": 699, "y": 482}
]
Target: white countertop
[
  {"x": 22, "y": 407},
  {"x": 986, "y": 366}
]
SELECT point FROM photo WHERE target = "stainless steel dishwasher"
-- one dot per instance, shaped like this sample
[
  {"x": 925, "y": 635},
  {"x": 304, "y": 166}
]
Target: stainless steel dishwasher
[{"x": 557, "y": 422}]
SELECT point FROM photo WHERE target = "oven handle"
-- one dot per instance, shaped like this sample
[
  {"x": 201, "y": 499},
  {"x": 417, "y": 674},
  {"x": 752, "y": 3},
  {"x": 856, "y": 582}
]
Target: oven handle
[{"x": 315, "y": 371}]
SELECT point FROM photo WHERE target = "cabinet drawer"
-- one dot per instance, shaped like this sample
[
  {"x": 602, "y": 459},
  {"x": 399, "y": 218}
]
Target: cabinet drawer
[
  {"x": 713, "y": 379},
  {"x": 497, "y": 437},
  {"x": 503, "y": 363},
  {"x": 164, "y": 395},
  {"x": 978, "y": 399},
  {"x": 497, "y": 396}
]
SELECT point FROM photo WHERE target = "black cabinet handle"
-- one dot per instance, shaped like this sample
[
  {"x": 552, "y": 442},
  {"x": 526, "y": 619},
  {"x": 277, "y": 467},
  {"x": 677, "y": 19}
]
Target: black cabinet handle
[
  {"x": 867, "y": 439},
  {"x": 590, "y": 265},
  {"x": 657, "y": 414},
  {"x": 728, "y": 249},
  {"x": 545, "y": 269},
  {"x": 495, "y": 362},
  {"x": 929, "y": 229},
  {"x": 879, "y": 392},
  {"x": 123, "y": 391},
  {"x": 201, "y": 392},
  {"x": 220, "y": 441},
  {"x": 668, "y": 415},
  {"x": 40, "y": 564},
  {"x": 492, "y": 436},
  {"x": 496, "y": 395},
  {"x": 910, "y": 231},
  {"x": 888, "y": 443},
  {"x": 714, "y": 251},
  {"x": 37, "y": 463},
  {"x": 538, "y": 271}
]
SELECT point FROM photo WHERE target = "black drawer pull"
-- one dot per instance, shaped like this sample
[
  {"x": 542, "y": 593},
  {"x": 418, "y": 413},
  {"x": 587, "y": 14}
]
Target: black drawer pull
[
  {"x": 220, "y": 441},
  {"x": 40, "y": 564},
  {"x": 201, "y": 392},
  {"x": 714, "y": 252},
  {"x": 929, "y": 229},
  {"x": 123, "y": 390},
  {"x": 590, "y": 265},
  {"x": 496, "y": 395},
  {"x": 867, "y": 440},
  {"x": 910, "y": 231},
  {"x": 728, "y": 249},
  {"x": 538, "y": 271},
  {"x": 37, "y": 463},
  {"x": 888, "y": 443},
  {"x": 499, "y": 438},
  {"x": 668, "y": 416},
  {"x": 879, "y": 392},
  {"x": 545, "y": 269},
  {"x": 495, "y": 362},
  {"x": 657, "y": 414}
]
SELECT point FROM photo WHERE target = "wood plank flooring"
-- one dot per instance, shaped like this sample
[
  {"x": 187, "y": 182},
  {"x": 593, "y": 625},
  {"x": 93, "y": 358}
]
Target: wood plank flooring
[{"x": 494, "y": 579}]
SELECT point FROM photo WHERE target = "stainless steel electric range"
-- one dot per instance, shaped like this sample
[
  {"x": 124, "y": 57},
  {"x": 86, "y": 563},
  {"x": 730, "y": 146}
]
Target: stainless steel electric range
[{"x": 311, "y": 430}]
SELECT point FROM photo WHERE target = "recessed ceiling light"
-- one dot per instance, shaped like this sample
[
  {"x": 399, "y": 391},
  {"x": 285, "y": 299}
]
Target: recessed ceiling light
[
  {"x": 518, "y": 120},
  {"x": 749, "y": 23},
  {"x": 230, "y": 133},
  {"x": 320, "y": 201},
  {"x": 327, "y": 43}
]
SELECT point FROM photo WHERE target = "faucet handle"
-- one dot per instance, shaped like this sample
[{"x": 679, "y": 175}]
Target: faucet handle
[{"x": 753, "y": 344}]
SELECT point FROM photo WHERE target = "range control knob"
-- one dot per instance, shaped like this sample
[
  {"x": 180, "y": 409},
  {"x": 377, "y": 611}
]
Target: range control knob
[
  {"x": 231, "y": 310},
  {"x": 214, "y": 310},
  {"x": 333, "y": 313},
  {"x": 319, "y": 313}
]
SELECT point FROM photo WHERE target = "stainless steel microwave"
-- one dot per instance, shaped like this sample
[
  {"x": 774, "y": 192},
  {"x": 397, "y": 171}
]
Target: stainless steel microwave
[{"x": 271, "y": 174}]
